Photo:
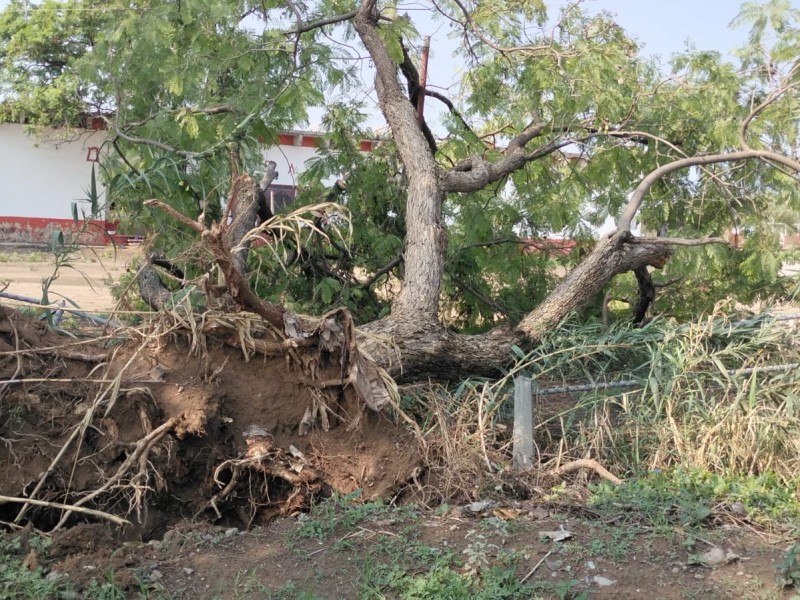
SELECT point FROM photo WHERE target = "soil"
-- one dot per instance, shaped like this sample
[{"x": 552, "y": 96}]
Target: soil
[
  {"x": 215, "y": 459},
  {"x": 280, "y": 560},
  {"x": 86, "y": 282}
]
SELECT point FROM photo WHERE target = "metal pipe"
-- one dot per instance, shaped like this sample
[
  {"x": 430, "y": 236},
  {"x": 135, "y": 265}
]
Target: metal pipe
[
  {"x": 57, "y": 307},
  {"x": 423, "y": 77}
]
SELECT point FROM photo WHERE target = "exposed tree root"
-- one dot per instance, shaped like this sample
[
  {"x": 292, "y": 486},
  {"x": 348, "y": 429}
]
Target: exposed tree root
[
  {"x": 139, "y": 454},
  {"x": 69, "y": 507},
  {"x": 264, "y": 457}
]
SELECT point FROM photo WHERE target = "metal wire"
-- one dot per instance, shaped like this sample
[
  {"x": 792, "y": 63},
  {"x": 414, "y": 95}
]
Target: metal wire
[{"x": 632, "y": 383}]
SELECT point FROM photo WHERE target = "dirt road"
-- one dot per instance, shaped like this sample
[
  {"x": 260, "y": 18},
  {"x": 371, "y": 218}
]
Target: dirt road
[{"x": 86, "y": 281}]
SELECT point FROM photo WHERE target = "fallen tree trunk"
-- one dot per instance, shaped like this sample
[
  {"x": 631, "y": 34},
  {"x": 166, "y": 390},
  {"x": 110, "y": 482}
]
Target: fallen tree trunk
[{"x": 409, "y": 349}]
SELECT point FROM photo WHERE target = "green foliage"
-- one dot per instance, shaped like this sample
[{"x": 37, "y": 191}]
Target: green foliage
[
  {"x": 343, "y": 512},
  {"x": 20, "y": 582},
  {"x": 440, "y": 579},
  {"x": 788, "y": 570},
  {"x": 189, "y": 88},
  {"x": 688, "y": 497}
]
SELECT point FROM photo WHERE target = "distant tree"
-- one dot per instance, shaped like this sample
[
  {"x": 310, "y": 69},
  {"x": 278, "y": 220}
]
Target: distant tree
[{"x": 558, "y": 124}]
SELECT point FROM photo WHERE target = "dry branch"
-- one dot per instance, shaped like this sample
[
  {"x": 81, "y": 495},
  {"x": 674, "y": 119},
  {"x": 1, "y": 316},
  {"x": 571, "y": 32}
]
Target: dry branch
[
  {"x": 69, "y": 507},
  {"x": 585, "y": 463}
]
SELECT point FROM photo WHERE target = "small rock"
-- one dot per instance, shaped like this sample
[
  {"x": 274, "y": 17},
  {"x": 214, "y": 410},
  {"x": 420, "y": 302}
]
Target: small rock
[
  {"x": 553, "y": 564},
  {"x": 603, "y": 581},
  {"x": 477, "y": 507},
  {"x": 740, "y": 573},
  {"x": 169, "y": 535},
  {"x": 231, "y": 532},
  {"x": 254, "y": 431},
  {"x": 713, "y": 558},
  {"x": 676, "y": 570},
  {"x": 556, "y": 536},
  {"x": 698, "y": 576},
  {"x": 738, "y": 509},
  {"x": 590, "y": 565},
  {"x": 188, "y": 570},
  {"x": 54, "y": 576},
  {"x": 156, "y": 575},
  {"x": 540, "y": 513}
]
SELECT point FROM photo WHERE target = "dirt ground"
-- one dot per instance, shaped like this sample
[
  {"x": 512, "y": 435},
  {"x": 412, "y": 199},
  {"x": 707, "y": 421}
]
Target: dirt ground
[
  {"x": 335, "y": 556},
  {"x": 86, "y": 281},
  {"x": 216, "y": 457}
]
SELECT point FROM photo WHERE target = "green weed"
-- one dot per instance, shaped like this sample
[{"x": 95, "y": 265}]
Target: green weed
[
  {"x": 788, "y": 571},
  {"x": 690, "y": 497},
  {"x": 343, "y": 512},
  {"x": 19, "y": 582},
  {"x": 441, "y": 580}
]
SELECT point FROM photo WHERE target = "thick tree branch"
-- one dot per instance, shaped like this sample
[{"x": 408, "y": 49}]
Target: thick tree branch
[
  {"x": 635, "y": 202},
  {"x": 475, "y": 173},
  {"x": 418, "y": 300},
  {"x": 610, "y": 257},
  {"x": 670, "y": 241},
  {"x": 219, "y": 244}
]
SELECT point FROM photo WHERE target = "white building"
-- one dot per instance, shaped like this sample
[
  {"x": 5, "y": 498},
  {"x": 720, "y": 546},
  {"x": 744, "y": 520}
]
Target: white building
[{"x": 41, "y": 177}]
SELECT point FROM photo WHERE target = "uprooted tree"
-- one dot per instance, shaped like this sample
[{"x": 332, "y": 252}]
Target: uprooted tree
[{"x": 557, "y": 125}]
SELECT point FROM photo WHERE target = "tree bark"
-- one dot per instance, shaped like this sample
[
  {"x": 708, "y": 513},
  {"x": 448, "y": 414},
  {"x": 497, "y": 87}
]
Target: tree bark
[
  {"x": 609, "y": 258},
  {"x": 411, "y": 343},
  {"x": 409, "y": 352},
  {"x": 418, "y": 301}
]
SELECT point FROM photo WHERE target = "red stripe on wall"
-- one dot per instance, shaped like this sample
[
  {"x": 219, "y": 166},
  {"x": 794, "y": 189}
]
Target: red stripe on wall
[{"x": 36, "y": 230}]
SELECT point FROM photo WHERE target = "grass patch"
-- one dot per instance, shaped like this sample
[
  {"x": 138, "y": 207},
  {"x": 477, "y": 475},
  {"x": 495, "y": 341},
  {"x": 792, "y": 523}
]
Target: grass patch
[
  {"x": 692, "y": 497},
  {"x": 25, "y": 257},
  {"x": 441, "y": 579},
  {"x": 788, "y": 571},
  {"x": 712, "y": 396},
  {"x": 21, "y": 580},
  {"x": 342, "y": 513}
]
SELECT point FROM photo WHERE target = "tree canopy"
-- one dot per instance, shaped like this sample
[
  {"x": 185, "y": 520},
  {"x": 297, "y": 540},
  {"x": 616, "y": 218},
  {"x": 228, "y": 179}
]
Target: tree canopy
[{"x": 558, "y": 124}]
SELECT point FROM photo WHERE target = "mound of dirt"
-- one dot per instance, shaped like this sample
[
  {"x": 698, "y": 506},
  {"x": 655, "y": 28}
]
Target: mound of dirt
[{"x": 159, "y": 429}]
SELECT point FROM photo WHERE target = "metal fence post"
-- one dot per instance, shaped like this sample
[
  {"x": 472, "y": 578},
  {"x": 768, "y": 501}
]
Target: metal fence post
[{"x": 523, "y": 423}]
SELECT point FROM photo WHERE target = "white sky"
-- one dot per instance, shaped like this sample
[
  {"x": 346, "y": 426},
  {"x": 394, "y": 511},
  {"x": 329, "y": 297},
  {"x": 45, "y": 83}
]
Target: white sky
[{"x": 662, "y": 27}]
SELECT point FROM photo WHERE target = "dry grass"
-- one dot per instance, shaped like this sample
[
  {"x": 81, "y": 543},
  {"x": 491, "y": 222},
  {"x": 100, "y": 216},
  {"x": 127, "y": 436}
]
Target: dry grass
[{"x": 702, "y": 399}]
